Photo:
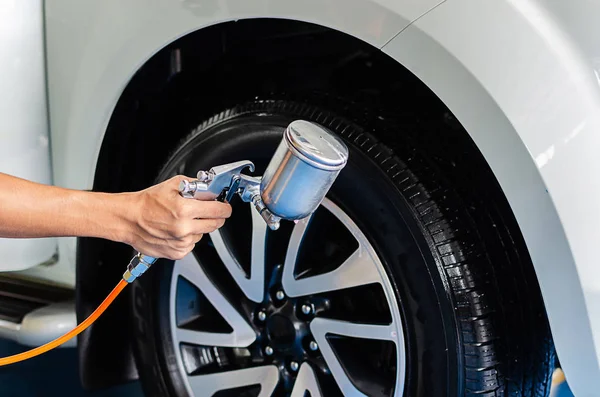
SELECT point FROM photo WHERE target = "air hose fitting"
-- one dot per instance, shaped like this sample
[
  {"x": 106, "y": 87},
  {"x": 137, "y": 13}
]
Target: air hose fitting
[{"x": 138, "y": 266}]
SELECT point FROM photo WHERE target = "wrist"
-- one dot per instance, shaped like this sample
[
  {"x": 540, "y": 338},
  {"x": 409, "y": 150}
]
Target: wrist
[{"x": 122, "y": 217}]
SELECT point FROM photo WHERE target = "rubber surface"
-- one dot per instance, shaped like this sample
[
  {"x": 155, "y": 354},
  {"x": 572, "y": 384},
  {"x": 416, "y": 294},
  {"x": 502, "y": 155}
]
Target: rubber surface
[{"x": 472, "y": 309}]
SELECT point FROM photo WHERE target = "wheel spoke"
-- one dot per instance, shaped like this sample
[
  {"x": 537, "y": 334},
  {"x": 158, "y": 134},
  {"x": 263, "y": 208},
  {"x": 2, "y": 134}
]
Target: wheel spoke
[
  {"x": 357, "y": 270},
  {"x": 207, "y": 385},
  {"x": 360, "y": 268},
  {"x": 242, "y": 336},
  {"x": 321, "y": 327},
  {"x": 252, "y": 287},
  {"x": 306, "y": 381}
]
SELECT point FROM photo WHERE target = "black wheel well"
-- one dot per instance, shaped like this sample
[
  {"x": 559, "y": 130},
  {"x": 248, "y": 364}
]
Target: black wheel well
[
  {"x": 199, "y": 75},
  {"x": 219, "y": 66}
]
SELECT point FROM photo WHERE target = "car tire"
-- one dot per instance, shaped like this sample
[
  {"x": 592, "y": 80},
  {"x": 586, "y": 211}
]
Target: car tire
[{"x": 471, "y": 315}]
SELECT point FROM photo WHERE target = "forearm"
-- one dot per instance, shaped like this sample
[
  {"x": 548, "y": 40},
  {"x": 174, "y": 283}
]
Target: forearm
[
  {"x": 156, "y": 221},
  {"x": 31, "y": 210}
]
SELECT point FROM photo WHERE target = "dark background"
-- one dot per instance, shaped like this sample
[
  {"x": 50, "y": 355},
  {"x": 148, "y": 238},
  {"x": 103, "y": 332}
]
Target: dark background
[{"x": 51, "y": 374}]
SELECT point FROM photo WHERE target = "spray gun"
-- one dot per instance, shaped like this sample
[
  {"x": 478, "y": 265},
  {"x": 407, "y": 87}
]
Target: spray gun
[
  {"x": 301, "y": 172},
  {"x": 222, "y": 182}
]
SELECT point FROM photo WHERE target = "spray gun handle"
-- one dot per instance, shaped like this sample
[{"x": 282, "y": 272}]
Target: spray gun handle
[
  {"x": 220, "y": 183},
  {"x": 223, "y": 182}
]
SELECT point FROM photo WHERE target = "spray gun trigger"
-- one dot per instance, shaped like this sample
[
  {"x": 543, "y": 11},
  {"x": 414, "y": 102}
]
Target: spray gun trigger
[
  {"x": 233, "y": 188},
  {"x": 224, "y": 176},
  {"x": 228, "y": 192}
]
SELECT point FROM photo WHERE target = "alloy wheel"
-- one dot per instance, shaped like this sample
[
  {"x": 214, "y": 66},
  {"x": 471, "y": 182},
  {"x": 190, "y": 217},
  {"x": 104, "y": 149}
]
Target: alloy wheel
[{"x": 303, "y": 322}]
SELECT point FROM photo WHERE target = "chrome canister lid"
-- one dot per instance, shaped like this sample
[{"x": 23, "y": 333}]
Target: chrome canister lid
[{"x": 316, "y": 145}]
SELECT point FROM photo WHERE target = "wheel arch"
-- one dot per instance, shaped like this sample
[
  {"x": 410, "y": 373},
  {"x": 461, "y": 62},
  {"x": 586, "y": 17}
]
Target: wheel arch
[{"x": 83, "y": 106}]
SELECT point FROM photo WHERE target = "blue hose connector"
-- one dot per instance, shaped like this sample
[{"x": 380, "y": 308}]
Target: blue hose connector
[{"x": 137, "y": 266}]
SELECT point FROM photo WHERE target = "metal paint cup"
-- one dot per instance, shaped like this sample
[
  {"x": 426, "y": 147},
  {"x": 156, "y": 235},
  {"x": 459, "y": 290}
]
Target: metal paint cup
[{"x": 302, "y": 170}]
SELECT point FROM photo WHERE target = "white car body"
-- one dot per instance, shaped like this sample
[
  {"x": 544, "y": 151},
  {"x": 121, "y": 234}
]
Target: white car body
[{"x": 522, "y": 76}]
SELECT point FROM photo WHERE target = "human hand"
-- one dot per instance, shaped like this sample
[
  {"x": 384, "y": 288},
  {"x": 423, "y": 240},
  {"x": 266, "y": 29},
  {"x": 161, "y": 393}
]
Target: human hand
[{"x": 163, "y": 224}]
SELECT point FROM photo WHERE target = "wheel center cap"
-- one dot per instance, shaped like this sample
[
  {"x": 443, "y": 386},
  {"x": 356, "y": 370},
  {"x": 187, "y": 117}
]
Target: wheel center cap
[{"x": 280, "y": 330}]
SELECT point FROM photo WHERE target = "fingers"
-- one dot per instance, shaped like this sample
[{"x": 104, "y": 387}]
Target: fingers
[
  {"x": 207, "y": 209},
  {"x": 196, "y": 227},
  {"x": 171, "y": 249},
  {"x": 184, "y": 247},
  {"x": 197, "y": 209},
  {"x": 208, "y": 225},
  {"x": 168, "y": 225}
]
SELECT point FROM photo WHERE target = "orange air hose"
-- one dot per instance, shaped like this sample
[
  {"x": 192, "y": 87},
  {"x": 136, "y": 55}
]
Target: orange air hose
[{"x": 74, "y": 332}]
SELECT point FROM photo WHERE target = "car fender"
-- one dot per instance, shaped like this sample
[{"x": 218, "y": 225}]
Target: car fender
[
  {"x": 94, "y": 49},
  {"x": 522, "y": 78},
  {"x": 25, "y": 149}
]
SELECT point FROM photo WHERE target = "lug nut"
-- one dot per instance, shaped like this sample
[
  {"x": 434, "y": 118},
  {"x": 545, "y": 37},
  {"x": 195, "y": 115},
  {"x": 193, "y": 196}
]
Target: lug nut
[
  {"x": 269, "y": 351},
  {"x": 306, "y": 309},
  {"x": 294, "y": 366},
  {"x": 262, "y": 316},
  {"x": 279, "y": 295},
  {"x": 313, "y": 346}
]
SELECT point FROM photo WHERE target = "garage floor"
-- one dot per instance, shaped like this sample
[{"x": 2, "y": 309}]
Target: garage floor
[
  {"x": 55, "y": 373},
  {"x": 51, "y": 374}
]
